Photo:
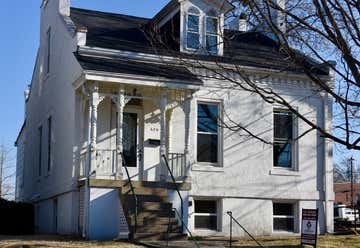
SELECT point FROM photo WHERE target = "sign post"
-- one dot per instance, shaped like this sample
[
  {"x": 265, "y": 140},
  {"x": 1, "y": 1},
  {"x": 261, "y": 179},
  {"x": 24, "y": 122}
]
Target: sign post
[{"x": 309, "y": 224}]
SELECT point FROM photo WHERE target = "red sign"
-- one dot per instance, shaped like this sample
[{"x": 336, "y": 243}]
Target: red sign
[{"x": 309, "y": 227}]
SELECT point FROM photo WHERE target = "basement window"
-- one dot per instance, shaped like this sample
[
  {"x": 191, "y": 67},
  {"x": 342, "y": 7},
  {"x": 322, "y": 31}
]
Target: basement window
[
  {"x": 206, "y": 215},
  {"x": 283, "y": 214}
]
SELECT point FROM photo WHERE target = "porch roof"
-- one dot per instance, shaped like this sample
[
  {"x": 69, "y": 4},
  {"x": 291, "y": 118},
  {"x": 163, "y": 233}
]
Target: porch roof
[{"x": 110, "y": 65}]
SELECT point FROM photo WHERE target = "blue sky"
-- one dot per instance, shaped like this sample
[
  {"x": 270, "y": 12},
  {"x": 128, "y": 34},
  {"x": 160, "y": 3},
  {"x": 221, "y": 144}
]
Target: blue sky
[{"x": 19, "y": 25}]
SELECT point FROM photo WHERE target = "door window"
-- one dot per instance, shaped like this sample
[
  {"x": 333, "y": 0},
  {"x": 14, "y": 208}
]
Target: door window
[{"x": 130, "y": 139}]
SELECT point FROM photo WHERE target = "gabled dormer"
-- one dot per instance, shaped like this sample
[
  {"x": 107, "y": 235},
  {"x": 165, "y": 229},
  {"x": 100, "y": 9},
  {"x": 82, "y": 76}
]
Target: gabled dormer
[{"x": 200, "y": 24}]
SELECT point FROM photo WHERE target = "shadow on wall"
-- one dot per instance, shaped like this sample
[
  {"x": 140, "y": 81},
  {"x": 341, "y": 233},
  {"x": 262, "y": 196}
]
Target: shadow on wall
[{"x": 104, "y": 226}]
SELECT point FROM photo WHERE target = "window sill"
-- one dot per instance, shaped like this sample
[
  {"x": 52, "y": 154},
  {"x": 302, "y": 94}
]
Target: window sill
[
  {"x": 284, "y": 172},
  {"x": 285, "y": 233},
  {"x": 207, "y": 168},
  {"x": 206, "y": 232}
]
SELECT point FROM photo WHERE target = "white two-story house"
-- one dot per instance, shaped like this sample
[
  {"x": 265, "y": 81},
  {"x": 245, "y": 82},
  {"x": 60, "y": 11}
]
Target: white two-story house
[{"x": 121, "y": 135}]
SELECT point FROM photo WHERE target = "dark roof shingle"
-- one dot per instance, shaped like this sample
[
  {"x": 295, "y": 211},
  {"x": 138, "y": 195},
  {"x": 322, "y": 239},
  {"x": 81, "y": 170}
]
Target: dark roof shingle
[
  {"x": 128, "y": 33},
  {"x": 123, "y": 66}
]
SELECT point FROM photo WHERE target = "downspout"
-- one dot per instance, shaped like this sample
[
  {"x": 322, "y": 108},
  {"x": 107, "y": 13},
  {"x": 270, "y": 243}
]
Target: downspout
[{"x": 327, "y": 163}]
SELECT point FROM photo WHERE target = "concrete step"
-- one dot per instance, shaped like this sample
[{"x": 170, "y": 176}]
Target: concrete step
[
  {"x": 151, "y": 206},
  {"x": 145, "y": 191},
  {"x": 147, "y": 198},
  {"x": 158, "y": 229},
  {"x": 159, "y": 236},
  {"x": 152, "y": 214},
  {"x": 154, "y": 221}
]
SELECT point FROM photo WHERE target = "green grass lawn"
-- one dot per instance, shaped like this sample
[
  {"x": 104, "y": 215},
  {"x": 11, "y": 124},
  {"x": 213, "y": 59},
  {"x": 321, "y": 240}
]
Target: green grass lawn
[{"x": 329, "y": 241}]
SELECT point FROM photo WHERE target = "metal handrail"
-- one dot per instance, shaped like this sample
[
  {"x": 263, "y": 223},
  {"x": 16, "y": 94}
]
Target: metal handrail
[
  {"x": 132, "y": 190},
  {"x": 233, "y": 219},
  {"x": 177, "y": 190},
  {"x": 187, "y": 229}
]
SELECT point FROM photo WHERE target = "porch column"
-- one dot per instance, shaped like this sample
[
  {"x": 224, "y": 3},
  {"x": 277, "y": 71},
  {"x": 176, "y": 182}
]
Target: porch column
[
  {"x": 91, "y": 152},
  {"x": 163, "y": 104},
  {"x": 120, "y": 104},
  {"x": 187, "y": 110}
]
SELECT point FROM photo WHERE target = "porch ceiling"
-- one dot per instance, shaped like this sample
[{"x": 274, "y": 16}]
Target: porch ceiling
[{"x": 117, "y": 66}]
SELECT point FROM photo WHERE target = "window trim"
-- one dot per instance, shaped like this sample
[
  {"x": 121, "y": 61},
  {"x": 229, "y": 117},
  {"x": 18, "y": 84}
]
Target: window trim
[
  {"x": 219, "y": 103},
  {"x": 294, "y": 142}
]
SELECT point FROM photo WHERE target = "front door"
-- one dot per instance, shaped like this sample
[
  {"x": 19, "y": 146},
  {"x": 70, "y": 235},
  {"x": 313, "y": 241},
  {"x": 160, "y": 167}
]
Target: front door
[{"x": 132, "y": 144}]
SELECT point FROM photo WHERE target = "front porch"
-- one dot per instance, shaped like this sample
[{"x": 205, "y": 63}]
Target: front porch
[{"x": 154, "y": 121}]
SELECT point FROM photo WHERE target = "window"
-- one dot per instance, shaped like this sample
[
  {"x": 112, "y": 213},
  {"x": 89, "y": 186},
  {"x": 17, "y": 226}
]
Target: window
[
  {"x": 283, "y": 214},
  {"x": 207, "y": 133},
  {"x": 49, "y": 144},
  {"x": 283, "y": 139},
  {"x": 47, "y": 52},
  {"x": 212, "y": 35},
  {"x": 193, "y": 29},
  {"x": 206, "y": 215},
  {"x": 40, "y": 131}
]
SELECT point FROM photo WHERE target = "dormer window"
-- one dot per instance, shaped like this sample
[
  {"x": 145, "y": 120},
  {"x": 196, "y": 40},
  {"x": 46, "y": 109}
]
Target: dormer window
[
  {"x": 193, "y": 29},
  {"x": 201, "y": 29},
  {"x": 212, "y": 24}
]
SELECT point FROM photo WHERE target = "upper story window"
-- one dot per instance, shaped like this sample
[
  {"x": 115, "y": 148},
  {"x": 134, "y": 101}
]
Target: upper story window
[
  {"x": 212, "y": 30},
  {"x": 208, "y": 133},
  {"x": 47, "y": 52},
  {"x": 193, "y": 29},
  {"x": 283, "y": 139},
  {"x": 49, "y": 148},
  {"x": 40, "y": 134}
]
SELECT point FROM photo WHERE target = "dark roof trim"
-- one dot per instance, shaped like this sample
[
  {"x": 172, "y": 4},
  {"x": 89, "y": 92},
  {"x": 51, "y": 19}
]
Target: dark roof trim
[
  {"x": 165, "y": 11},
  {"x": 20, "y": 133},
  {"x": 127, "y": 67}
]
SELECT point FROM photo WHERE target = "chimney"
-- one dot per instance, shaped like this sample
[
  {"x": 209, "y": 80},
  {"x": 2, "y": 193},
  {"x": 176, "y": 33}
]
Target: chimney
[
  {"x": 240, "y": 23},
  {"x": 81, "y": 36},
  {"x": 62, "y": 5}
]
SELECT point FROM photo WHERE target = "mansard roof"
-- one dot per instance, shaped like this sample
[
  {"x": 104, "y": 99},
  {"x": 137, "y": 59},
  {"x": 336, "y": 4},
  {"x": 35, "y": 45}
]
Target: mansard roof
[{"x": 130, "y": 33}]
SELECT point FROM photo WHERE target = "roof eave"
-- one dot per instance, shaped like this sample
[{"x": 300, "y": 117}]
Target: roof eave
[{"x": 140, "y": 80}]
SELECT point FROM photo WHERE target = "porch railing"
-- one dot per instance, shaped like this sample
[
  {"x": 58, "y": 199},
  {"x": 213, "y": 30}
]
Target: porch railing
[
  {"x": 106, "y": 159},
  {"x": 104, "y": 165},
  {"x": 165, "y": 161},
  {"x": 177, "y": 165}
]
